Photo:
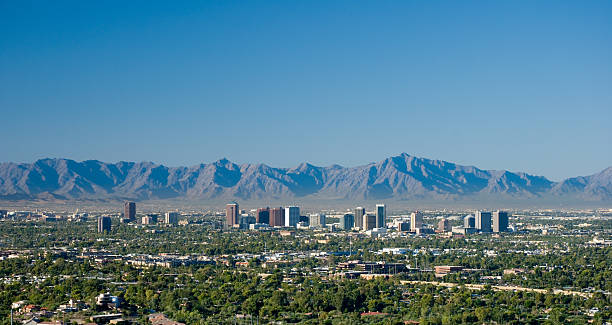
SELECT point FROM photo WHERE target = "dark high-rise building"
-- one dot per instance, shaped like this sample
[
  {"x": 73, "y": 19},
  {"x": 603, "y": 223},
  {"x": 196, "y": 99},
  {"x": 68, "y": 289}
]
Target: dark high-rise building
[
  {"x": 171, "y": 218},
  {"x": 104, "y": 224},
  {"x": 231, "y": 214},
  {"x": 369, "y": 221},
  {"x": 359, "y": 213},
  {"x": 292, "y": 216},
  {"x": 263, "y": 215},
  {"x": 381, "y": 216},
  {"x": 277, "y": 217},
  {"x": 469, "y": 221},
  {"x": 305, "y": 220},
  {"x": 483, "y": 221},
  {"x": 500, "y": 221},
  {"x": 129, "y": 211},
  {"x": 347, "y": 221}
]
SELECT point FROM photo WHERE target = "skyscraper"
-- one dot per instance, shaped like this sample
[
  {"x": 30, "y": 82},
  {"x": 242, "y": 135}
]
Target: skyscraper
[
  {"x": 231, "y": 214},
  {"x": 483, "y": 221},
  {"x": 129, "y": 210},
  {"x": 347, "y": 221},
  {"x": 500, "y": 221},
  {"x": 381, "y": 216},
  {"x": 317, "y": 220},
  {"x": 277, "y": 217},
  {"x": 292, "y": 216},
  {"x": 359, "y": 213},
  {"x": 104, "y": 224},
  {"x": 263, "y": 215},
  {"x": 416, "y": 221},
  {"x": 469, "y": 221},
  {"x": 171, "y": 218},
  {"x": 369, "y": 221}
]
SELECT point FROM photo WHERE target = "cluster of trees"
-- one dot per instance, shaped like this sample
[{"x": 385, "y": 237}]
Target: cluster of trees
[{"x": 217, "y": 294}]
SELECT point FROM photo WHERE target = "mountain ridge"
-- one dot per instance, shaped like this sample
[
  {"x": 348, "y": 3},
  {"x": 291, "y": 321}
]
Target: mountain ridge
[{"x": 401, "y": 177}]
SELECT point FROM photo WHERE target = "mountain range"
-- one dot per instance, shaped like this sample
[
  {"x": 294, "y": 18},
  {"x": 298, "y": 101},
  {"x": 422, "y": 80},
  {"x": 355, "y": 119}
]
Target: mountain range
[{"x": 402, "y": 177}]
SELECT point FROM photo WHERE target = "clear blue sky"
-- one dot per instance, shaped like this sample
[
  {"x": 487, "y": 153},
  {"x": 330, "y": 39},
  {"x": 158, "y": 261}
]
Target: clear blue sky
[{"x": 518, "y": 85}]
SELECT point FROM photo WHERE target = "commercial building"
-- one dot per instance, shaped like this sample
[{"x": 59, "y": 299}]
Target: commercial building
[
  {"x": 500, "y": 221},
  {"x": 469, "y": 221},
  {"x": 359, "y": 213},
  {"x": 277, "y": 217},
  {"x": 129, "y": 211},
  {"x": 369, "y": 221},
  {"x": 246, "y": 220},
  {"x": 171, "y": 218},
  {"x": 231, "y": 214},
  {"x": 444, "y": 225},
  {"x": 403, "y": 226},
  {"x": 292, "y": 216},
  {"x": 149, "y": 219},
  {"x": 381, "y": 216},
  {"x": 347, "y": 221},
  {"x": 483, "y": 221},
  {"x": 416, "y": 221},
  {"x": 263, "y": 215},
  {"x": 443, "y": 270},
  {"x": 104, "y": 224},
  {"x": 317, "y": 220}
]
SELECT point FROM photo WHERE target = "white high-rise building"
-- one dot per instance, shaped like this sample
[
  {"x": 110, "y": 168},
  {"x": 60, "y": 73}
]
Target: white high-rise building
[
  {"x": 381, "y": 216},
  {"x": 317, "y": 220},
  {"x": 359, "y": 213},
  {"x": 416, "y": 221},
  {"x": 171, "y": 218},
  {"x": 292, "y": 216}
]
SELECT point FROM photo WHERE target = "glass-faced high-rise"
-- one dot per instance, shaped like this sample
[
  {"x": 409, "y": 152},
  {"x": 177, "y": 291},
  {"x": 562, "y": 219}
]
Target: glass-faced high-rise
[
  {"x": 359, "y": 213},
  {"x": 500, "y": 221},
  {"x": 347, "y": 221},
  {"x": 381, "y": 216},
  {"x": 483, "y": 221},
  {"x": 292, "y": 216}
]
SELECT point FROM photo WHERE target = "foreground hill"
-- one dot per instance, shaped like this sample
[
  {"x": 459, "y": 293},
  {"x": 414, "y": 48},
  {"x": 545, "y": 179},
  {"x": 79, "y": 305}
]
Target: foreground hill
[{"x": 402, "y": 177}]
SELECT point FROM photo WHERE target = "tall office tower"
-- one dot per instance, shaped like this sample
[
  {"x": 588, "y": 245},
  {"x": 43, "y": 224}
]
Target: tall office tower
[
  {"x": 277, "y": 217},
  {"x": 483, "y": 221},
  {"x": 369, "y": 221},
  {"x": 444, "y": 225},
  {"x": 347, "y": 221},
  {"x": 469, "y": 221},
  {"x": 171, "y": 218},
  {"x": 317, "y": 220},
  {"x": 381, "y": 216},
  {"x": 500, "y": 221},
  {"x": 359, "y": 213},
  {"x": 104, "y": 224},
  {"x": 292, "y": 216},
  {"x": 129, "y": 210},
  {"x": 231, "y": 214},
  {"x": 263, "y": 215},
  {"x": 416, "y": 221}
]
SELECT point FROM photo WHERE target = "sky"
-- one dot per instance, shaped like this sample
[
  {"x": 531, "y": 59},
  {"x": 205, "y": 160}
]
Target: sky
[{"x": 516, "y": 85}]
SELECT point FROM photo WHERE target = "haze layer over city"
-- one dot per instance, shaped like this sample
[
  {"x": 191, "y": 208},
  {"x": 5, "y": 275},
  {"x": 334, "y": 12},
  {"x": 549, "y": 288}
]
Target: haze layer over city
[{"x": 323, "y": 162}]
